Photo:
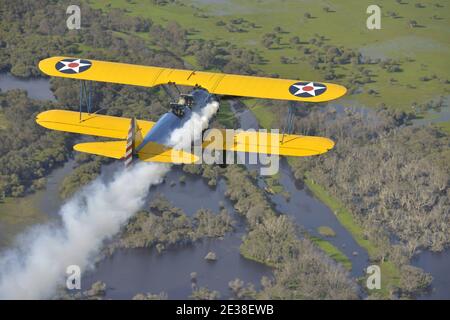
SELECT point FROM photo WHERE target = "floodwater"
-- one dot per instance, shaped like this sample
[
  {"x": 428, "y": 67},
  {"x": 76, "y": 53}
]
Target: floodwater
[
  {"x": 38, "y": 88},
  {"x": 132, "y": 271},
  {"x": 306, "y": 210}
]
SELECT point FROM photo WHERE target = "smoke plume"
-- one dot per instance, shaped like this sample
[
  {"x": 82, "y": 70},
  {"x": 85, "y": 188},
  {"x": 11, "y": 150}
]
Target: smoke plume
[{"x": 37, "y": 264}]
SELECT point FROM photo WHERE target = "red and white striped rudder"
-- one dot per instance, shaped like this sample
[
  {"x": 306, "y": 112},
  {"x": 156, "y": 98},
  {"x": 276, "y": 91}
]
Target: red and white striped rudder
[{"x": 128, "y": 159}]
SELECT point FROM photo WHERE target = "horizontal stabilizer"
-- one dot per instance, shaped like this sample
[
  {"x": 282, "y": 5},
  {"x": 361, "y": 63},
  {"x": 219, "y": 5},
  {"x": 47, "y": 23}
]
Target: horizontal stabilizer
[
  {"x": 267, "y": 143},
  {"x": 111, "y": 149},
  {"x": 91, "y": 124},
  {"x": 154, "y": 152}
]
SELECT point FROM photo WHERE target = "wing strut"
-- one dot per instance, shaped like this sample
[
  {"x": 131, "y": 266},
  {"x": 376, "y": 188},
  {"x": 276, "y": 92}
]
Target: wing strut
[
  {"x": 85, "y": 96},
  {"x": 289, "y": 121}
]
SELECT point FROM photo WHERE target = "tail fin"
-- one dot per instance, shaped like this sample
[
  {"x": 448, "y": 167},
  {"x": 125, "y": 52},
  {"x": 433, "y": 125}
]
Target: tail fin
[{"x": 128, "y": 159}]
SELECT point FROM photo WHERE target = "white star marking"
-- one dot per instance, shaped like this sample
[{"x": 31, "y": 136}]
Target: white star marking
[
  {"x": 76, "y": 69},
  {"x": 310, "y": 85}
]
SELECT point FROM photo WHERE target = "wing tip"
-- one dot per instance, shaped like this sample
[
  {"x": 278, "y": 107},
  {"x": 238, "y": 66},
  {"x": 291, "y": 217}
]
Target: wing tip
[
  {"x": 44, "y": 65},
  {"x": 337, "y": 91},
  {"x": 47, "y": 65}
]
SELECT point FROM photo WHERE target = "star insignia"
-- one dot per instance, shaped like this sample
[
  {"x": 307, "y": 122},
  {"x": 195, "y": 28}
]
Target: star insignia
[
  {"x": 307, "y": 89},
  {"x": 73, "y": 65}
]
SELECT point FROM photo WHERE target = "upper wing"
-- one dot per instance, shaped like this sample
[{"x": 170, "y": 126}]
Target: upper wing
[
  {"x": 217, "y": 83},
  {"x": 91, "y": 124}
]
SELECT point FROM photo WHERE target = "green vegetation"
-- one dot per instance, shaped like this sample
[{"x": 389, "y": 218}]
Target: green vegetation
[
  {"x": 274, "y": 186},
  {"x": 445, "y": 126},
  {"x": 263, "y": 114},
  {"x": 27, "y": 152},
  {"x": 383, "y": 69},
  {"x": 3, "y": 122},
  {"x": 16, "y": 214},
  {"x": 203, "y": 293},
  {"x": 307, "y": 276},
  {"x": 273, "y": 240},
  {"x": 326, "y": 231},
  {"x": 151, "y": 296},
  {"x": 87, "y": 168},
  {"x": 343, "y": 215},
  {"x": 164, "y": 225},
  {"x": 390, "y": 273},
  {"x": 78, "y": 178},
  {"x": 408, "y": 53},
  {"x": 378, "y": 201},
  {"x": 333, "y": 252},
  {"x": 380, "y": 160},
  {"x": 226, "y": 117},
  {"x": 242, "y": 291}
]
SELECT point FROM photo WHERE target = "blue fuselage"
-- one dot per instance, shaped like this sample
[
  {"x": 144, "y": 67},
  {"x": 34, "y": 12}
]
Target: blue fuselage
[{"x": 161, "y": 131}]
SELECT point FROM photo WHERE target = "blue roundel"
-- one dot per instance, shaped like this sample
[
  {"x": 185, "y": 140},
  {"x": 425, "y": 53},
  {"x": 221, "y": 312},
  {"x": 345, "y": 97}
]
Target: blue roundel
[
  {"x": 307, "y": 89},
  {"x": 72, "y": 66}
]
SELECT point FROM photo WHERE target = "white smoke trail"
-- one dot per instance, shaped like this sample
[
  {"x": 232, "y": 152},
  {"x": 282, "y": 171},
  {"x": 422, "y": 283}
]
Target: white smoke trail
[
  {"x": 37, "y": 266},
  {"x": 192, "y": 130}
]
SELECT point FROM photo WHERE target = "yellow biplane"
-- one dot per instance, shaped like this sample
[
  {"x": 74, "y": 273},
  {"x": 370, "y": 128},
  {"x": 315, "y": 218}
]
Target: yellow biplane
[{"x": 148, "y": 140}]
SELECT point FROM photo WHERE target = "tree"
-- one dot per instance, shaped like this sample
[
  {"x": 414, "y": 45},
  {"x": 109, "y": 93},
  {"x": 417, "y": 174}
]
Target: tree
[
  {"x": 278, "y": 29},
  {"x": 413, "y": 24},
  {"x": 267, "y": 42},
  {"x": 294, "y": 40},
  {"x": 414, "y": 280},
  {"x": 203, "y": 293},
  {"x": 284, "y": 60},
  {"x": 240, "y": 291}
]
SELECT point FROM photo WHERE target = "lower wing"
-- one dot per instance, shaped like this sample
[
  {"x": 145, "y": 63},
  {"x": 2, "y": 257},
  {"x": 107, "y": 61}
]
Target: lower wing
[
  {"x": 90, "y": 124},
  {"x": 266, "y": 143},
  {"x": 118, "y": 128},
  {"x": 111, "y": 127}
]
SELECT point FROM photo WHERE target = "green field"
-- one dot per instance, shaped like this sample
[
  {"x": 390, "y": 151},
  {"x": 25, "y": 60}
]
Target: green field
[
  {"x": 3, "y": 123},
  {"x": 16, "y": 214},
  {"x": 422, "y": 51},
  {"x": 445, "y": 126},
  {"x": 333, "y": 252},
  {"x": 225, "y": 116},
  {"x": 389, "y": 272},
  {"x": 262, "y": 113}
]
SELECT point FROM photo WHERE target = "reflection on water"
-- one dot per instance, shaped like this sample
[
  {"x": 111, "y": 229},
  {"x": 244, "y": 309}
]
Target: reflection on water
[
  {"x": 311, "y": 214},
  {"x": 132, "y": 271},
  {"x": 438, "y": 265},
  {"x": 36, "y": 88}
]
